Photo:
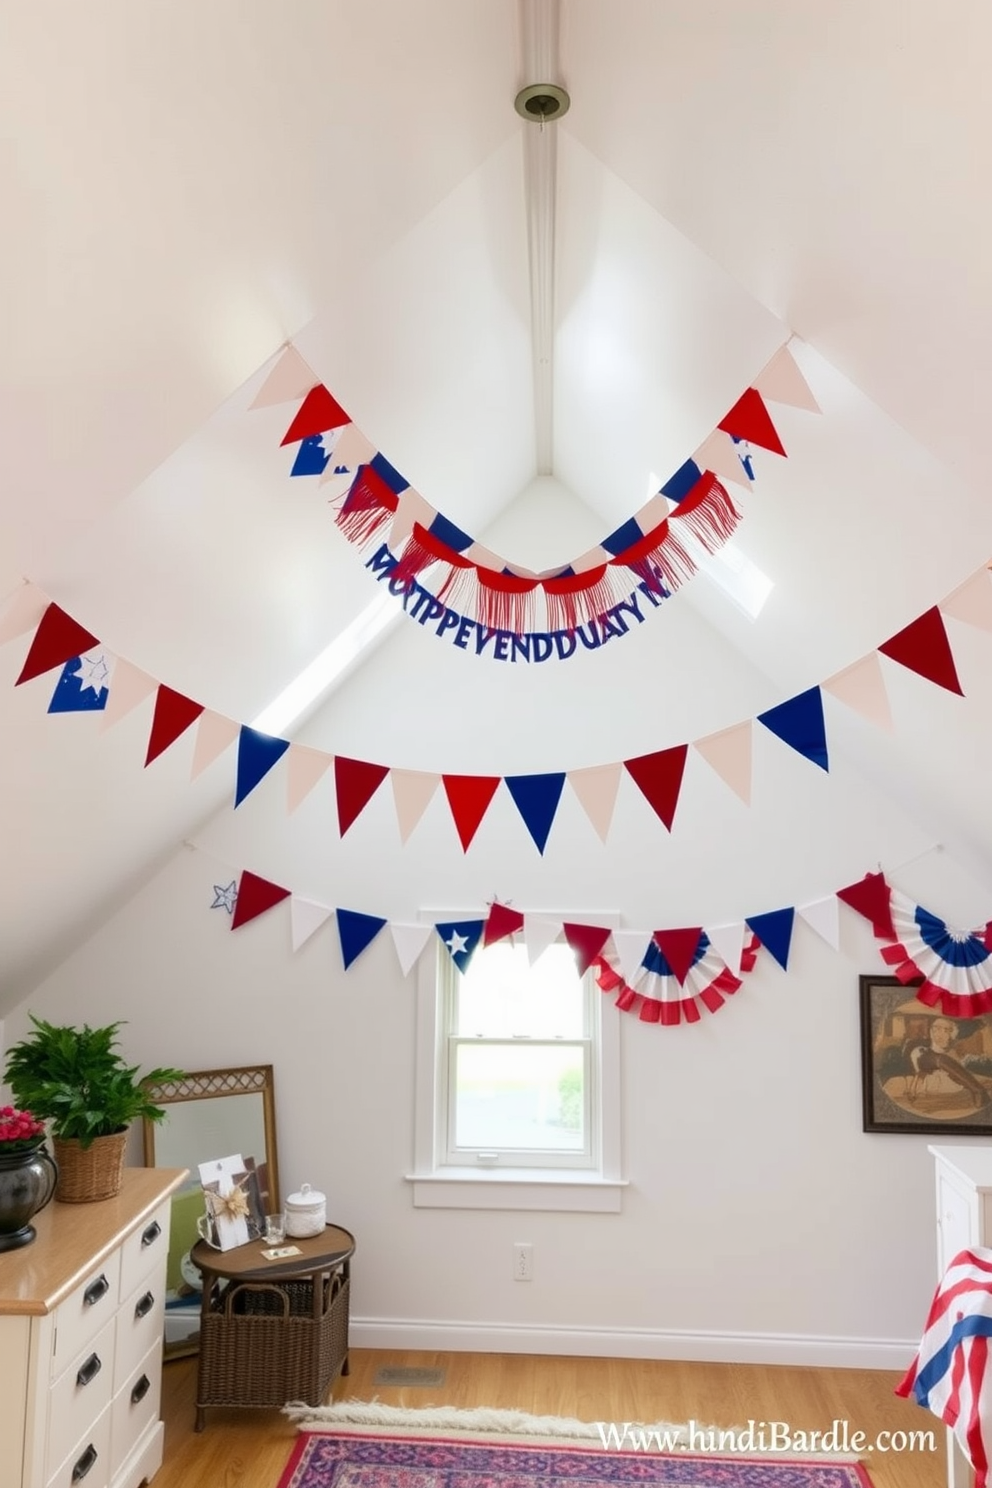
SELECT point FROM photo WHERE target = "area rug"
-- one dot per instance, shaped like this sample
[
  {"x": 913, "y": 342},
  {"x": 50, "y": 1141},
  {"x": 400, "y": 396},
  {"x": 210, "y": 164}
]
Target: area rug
[{"x": 535, "y": 1452}]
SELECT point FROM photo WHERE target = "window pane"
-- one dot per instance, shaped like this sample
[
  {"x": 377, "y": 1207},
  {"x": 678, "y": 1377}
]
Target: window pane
[
  {"x": 503, "y": 996},
  {"x": 520, "y": 1097}
]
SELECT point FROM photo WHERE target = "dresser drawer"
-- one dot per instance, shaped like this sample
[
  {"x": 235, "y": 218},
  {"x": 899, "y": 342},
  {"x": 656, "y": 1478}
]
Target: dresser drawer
[
  {"x": 88, "y": 1463},
  {"x": 80, "y": 1393},
  {"x": 139, "y": 1324},
  {"x": 85, "y": 1311},
  {"x": 144, "y": 1249},
  {"x": 135, "y": 1407}
]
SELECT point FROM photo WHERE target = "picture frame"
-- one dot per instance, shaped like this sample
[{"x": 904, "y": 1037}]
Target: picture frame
[{"x": 923, "y": 1072}]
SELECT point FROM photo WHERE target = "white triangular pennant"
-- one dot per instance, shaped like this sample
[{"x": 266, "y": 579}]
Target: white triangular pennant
[
  {"x": 130, "y": 687},
  {"x": 630, "y": 946},
  {"x": 214, "y": 734},
  {"x": 289, "y": 379},
  {"x": 728, "y": 942},
  {"x": 409, "y": 941},
  {"x": 306, "y": 916},
  {"x": 782, "y": 382},
  {"x": 539, "y": 933},
  {"x": 972, "y": 601},
  {"x": 823, "y": 916}
]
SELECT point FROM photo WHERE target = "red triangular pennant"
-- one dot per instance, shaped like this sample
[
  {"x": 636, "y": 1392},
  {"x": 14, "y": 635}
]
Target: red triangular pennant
[
  {"x": 872, "y": 897},
  {"x": 749, "y": 419},
  {"x": 255, "y": 896},
  {"x": 57, "y": 640},
  {"x": 502, "y": 922},
  {"x": 923, "y": 647},
  {"x": 659, "y": 778},
  {"x": 316, "y": 414},
  {"x": 356, "y": 782},
  {"x": 172, "y": 717},
  {"x": 586, "y": 941},
  {"x": 469, "y": 797},
  {"x": 679, "y": 949}
]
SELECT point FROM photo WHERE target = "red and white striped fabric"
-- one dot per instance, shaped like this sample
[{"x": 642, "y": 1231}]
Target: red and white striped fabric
[
  {"x": 951, "y": 1374},
  {"x": 956, "y": 965}
]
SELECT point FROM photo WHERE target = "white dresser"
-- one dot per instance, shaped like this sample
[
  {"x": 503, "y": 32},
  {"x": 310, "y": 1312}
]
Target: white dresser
[
  {"x": 964, "y": 1220},
  {"x": 81, "y": 1319}
]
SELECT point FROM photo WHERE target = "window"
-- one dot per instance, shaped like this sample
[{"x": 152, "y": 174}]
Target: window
[{"x": 517, "y": 1084}]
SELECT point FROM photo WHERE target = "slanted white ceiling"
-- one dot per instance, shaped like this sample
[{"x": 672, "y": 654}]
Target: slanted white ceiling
[{"x": 186, "y": 187}]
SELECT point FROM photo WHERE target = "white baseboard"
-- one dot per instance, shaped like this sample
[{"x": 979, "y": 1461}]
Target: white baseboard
[{"x": 632, "y": 1343}]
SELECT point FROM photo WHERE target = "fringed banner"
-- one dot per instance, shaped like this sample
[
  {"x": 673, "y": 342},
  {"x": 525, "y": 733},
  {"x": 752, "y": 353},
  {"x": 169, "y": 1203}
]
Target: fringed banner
[{"x": 692, "y": 513}]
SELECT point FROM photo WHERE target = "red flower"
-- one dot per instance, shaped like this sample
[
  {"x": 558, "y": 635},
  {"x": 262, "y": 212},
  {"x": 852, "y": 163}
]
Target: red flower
[{"x": 18, "y": 1129}]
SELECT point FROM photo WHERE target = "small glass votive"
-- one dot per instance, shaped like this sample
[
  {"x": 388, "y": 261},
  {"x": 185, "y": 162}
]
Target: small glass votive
[{"x": 275, "y": 1228}]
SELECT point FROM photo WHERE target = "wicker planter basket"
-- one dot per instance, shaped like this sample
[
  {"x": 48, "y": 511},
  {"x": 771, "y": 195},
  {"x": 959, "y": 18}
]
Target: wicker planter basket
[{"x": 87, "y": 1174}]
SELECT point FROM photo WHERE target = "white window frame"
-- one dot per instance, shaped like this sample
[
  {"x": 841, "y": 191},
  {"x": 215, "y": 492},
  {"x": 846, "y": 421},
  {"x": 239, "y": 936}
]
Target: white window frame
[{"x": 553, "y": 1185}]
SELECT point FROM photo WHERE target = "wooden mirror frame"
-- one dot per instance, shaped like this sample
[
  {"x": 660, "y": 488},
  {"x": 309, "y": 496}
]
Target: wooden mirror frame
[
  {"x": 198, "y": 1085},
  {"x": 246, "y": 1079}
]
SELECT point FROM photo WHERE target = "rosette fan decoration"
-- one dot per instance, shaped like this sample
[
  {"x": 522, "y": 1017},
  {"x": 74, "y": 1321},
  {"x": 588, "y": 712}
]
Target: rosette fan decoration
[{"x": 77, "y": 1080}]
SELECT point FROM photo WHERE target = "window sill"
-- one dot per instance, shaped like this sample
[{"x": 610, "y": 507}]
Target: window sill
[{"x": 517, "y": 1188}]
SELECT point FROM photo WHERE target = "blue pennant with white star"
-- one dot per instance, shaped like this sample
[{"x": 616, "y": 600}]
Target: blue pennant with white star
[
  {"x": 461, "y": 937},
  {"x": 83, "y": 686}
]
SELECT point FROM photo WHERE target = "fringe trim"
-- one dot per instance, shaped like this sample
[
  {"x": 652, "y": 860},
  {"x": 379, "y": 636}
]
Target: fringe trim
[
  {"x": 353, "y": 1416},
  {"x": 367, "y": 507},
  {"x": 709, "y": 512},
  {"x": 576, "y": 599},
  {"x": 422, "y": 551},
  {"x": 505, "y": 601},
  {"x": 660, "y": 559}
]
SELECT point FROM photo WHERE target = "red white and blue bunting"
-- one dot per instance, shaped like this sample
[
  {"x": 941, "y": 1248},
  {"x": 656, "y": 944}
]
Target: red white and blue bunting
[
  {"x": 665, "y": 976},
  {"x": 955, "y": 965},
  {"x": 655, "y": 550},
  {"x": 93, "y": 680}
]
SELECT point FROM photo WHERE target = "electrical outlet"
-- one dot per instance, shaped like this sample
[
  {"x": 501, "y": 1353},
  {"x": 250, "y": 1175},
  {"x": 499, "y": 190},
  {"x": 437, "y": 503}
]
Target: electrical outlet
[{"x": 523, "y": 1261}]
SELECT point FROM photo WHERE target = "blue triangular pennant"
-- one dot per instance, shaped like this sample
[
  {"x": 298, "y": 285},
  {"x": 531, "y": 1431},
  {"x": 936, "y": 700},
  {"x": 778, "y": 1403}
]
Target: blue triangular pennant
[
  {"x": 449, "y": 534},
  {"x": 461, "y": 937},
  {"x": 536, "y": 797},
  {"x": 799, "y": 723},
  {"x": 389, "y": 474},
  {"x": 682, "y": 482},
  {"x": 356, "y": 933},
  {"x": 257, "y": 753},
  {"x": 311, "y": 457},
  {"x": 82, "y": 686},
  {"x": 625, "y": 537},
  {"x": 774, "y": 930}
]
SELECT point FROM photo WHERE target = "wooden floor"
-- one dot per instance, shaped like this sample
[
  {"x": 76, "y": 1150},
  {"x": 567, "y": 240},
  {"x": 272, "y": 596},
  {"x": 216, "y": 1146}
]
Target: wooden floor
[{"x": 248, "y": 1449}]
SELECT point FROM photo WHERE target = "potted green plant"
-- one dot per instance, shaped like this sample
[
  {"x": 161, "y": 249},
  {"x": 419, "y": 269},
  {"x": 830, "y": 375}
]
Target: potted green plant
[{"x": 77, "y": 1081}]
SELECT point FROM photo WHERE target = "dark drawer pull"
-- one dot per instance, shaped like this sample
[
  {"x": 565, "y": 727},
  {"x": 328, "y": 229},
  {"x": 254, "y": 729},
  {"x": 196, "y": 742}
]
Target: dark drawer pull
[
  {"x": 95, "y": 1291},
  {"x": 151, "y": 1234},
  {"x": 141, "y": 1389},
  {"x": 89, "y": 1370},
  {"x": 144, "y": 1305},
  {"x": 84, "y": 1464}
]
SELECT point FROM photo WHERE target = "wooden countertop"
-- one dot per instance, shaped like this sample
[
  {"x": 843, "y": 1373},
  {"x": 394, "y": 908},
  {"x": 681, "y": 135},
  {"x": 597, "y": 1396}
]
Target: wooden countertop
[{"x": 73, "y": 1239}]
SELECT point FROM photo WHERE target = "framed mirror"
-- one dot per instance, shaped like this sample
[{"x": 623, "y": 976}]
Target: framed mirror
[{"x": 209, "y": 1114}]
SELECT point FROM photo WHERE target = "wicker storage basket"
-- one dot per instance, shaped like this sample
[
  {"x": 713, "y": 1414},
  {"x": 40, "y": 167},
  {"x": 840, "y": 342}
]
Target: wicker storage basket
[
  {"x": 264, "y": 1343},
  {"x": 87, "y": 1174}
]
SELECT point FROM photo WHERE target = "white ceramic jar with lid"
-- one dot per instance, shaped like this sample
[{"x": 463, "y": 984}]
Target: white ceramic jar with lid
[{"x": 306, "y": 1213}]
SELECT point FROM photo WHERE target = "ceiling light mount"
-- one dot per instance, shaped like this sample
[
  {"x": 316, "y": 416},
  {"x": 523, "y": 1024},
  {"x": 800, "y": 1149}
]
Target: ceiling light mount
[{"x": 542, "y": 103}]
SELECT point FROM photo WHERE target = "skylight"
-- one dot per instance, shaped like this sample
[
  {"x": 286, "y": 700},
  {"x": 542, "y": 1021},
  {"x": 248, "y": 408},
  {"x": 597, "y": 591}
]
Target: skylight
[
  {"x": 742, "y": 581},
  {"x": 328, "y": 667}
]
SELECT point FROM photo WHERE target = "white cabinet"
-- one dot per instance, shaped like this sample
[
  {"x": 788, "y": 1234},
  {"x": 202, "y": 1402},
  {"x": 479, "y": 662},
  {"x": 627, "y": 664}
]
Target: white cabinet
[
  {"x": 964, "y": 1220},
  {"x": 81, "y": 1320}
]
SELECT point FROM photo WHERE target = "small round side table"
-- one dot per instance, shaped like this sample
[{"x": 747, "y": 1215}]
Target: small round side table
[{"x": 273, "y": 1330}]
